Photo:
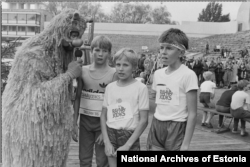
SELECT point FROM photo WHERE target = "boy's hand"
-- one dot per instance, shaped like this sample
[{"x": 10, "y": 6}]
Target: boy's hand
[
  {"x": 109, "y": 149},
  {"x": 75, "y": 133},
  {"x": 99, "y": 140},
  {"x": 183, "y": 148}
]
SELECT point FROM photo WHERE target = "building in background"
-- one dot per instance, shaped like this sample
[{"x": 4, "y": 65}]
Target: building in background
[{"x": 23, "y": 20}]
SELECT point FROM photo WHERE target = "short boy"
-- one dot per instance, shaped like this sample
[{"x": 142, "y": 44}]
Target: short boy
[
  {"x": 125, "y": 108},
  {"x": 89, "y": 98},
  {"x": 175, "y": 87}
]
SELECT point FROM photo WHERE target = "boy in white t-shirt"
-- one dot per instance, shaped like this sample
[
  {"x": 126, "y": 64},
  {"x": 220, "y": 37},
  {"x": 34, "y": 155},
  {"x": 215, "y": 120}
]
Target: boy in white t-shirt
[
  {"x": 206, "y": 94},
  {"x": 240, "y": 106},
  {"x": 125, "y": 108},
  {"x": 176, "y": 88}
]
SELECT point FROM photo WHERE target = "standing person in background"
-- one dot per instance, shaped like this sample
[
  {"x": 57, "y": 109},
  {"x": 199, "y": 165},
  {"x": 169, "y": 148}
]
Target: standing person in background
[
  {"x": 207, "y": 48},
  {"x": 204, "y": 68},
  {"x": 228, "y": 73},
  {"x": 175, "y": 88},
  {"x": 219, "y": 72},
  {"x": 240, "y": 106},
  {"x": 234, "y": 71},
  {"x": 242, "y": 72},
  {"x": 141, "y": 63},
  {"x": 197, "y": 68},
  {"x": 247, "y": 64},
  {"x": 89, "y": 97},
  {"x": 212, "y": 68}
]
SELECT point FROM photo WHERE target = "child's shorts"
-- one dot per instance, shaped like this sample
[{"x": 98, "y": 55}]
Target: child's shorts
[
  {"x": 119, "y": 137},
  {"x": 166, "y": 135},
  {"x": 205, "y": 98}
]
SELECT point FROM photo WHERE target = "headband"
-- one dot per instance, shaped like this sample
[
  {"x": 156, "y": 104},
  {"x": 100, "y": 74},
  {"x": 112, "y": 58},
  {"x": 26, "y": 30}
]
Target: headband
[{"x": 178, "y": 46}]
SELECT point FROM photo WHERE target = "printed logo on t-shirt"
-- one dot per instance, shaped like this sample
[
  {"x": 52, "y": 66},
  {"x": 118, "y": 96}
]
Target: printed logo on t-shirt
[
  {"x": 119, "y": 112},
  {"x": 103, "y": 85},
  {"x": 93, "y": 91},
  {"x": 167, "y": 94}
]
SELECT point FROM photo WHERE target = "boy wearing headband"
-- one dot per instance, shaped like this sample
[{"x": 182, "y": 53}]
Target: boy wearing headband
[{"x": 175, "y": 87}]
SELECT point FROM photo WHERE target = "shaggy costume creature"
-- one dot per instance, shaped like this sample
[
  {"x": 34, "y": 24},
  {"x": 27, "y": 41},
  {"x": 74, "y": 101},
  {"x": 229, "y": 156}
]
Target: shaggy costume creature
[{"x": 37, "y": 108}]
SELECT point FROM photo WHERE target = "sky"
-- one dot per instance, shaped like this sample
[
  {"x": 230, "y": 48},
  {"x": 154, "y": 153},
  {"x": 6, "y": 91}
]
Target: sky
[{"x": 183, "y": 11}]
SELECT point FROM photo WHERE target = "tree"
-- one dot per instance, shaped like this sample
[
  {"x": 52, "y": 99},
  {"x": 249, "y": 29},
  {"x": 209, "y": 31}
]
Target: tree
[
  {"x": 130, "y": 13},
  {"x": 213, "y": 13},
  {"x": 86, "y": 8},
  {"x": 160, "y": 15},
  {"x": 54, "y": 7}
]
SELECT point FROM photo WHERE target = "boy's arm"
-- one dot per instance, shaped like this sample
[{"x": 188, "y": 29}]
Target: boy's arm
[
  {"x": 78, "y": 99},
  {"x": 109, "y": 149},
  {"x": 191, "y": 120},
  {"x": 143, "y": 122},
  {"x": 76, "y": 109}
]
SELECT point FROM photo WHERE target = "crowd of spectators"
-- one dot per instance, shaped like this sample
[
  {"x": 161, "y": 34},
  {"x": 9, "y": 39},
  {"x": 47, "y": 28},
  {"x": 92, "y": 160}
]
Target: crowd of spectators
[{"x": 225, "y": 70}]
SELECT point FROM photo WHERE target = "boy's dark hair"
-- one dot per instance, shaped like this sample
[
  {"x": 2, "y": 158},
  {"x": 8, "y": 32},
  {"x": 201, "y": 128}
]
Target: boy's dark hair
[
  {"x": 174, "y": 36},
  {"x": 102, "y": 42}
]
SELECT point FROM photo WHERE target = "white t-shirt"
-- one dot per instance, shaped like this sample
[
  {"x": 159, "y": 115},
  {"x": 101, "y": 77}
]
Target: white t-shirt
[
  {"x": 208, "y": 86},
  {"x": 240, "y": 99},
  {"x": 124, "y": 101},
  {"x": 171, "y": 97}
]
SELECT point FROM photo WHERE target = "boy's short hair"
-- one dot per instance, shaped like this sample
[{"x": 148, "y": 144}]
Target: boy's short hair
[
  {"x": 242, "y": 84},
  {"x": 174, "y": 36},
  {"x": 102, "y": 42},
  {"x": 207, "y": 75},
  {"x": 130, "y": 54}
]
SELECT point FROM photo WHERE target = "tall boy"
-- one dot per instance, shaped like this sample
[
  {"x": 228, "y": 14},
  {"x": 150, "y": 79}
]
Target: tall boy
[
  {"x": 176, "y": 96},
  {"x": 89, "y": 98}
]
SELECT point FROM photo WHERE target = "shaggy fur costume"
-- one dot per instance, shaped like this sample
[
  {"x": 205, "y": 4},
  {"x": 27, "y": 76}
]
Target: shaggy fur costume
[{"x": 37, "y": 109}]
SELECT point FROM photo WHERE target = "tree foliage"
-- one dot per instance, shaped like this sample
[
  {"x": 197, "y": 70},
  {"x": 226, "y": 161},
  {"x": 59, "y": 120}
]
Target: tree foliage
[
  {"x": 137, "y": 13},
  {"x": 140, "y": 13},
  {"x": 7, "y": 52},
  {"x": 85, "y": 8},
  {"x": 160, "y": 15},
  {"x": 213, "y": 13}
]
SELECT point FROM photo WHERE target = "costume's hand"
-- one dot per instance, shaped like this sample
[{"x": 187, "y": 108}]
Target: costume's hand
[
  {"x": 80, "y": 61},
  {"x": 99, "y": 140},
  {"x": 75, "y": 133},
  {"x": 74, "y": 70},
  {"x": 109, "y": 149}
]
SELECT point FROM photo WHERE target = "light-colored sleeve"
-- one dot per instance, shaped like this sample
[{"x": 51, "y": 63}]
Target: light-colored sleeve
[
  {"x": 191, "y": 82},
  {"x": 144, "y": 98}
]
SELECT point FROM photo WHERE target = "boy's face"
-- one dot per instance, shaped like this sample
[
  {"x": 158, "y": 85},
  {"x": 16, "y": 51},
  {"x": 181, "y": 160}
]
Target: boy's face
[
  {"x": 100, "y": 56},
  {"x": 124, "y": 69},
  {"x": 169, "y": 54}
]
